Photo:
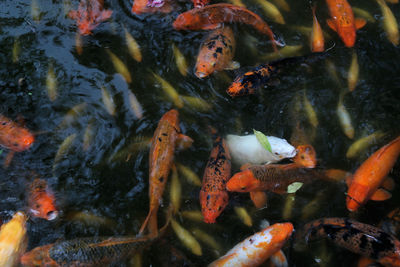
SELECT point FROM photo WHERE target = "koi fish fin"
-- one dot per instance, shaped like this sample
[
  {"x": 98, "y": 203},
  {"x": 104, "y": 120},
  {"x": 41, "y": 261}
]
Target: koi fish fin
[
  {"x": 338, "y": 175},
  {"x": 245, "y": 166},
  {"x": 73, "y": 14},
  {"x": 349, "y": 179},
  {"x": 381, "y": 195},
  {"x": 8, "y": 159},
  {"x": 233, "y": 65},
  {"x": 365, "y": 262},
  {"x": 150, "y": 223},
  {"x": 212, "y": 26},
  {"x": 388, "y": 183},
  {"x": 106, "y": 14},
  {"x": 278, "y": 259},
  {"x": 331, "y": 23},
  {"x": 259, "y": 199},
  {"x": 183, "y": 142},
  {"x": 359, "y": 23}
]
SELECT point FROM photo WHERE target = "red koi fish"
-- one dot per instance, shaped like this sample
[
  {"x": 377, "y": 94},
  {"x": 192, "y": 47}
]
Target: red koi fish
[
  {"x": 363, "y": 239},
  {"x": 343, "y": 21},
  {"x": 213, "y": 194},
  {"x": 213, "y": 16},
  {"x": 317, "y": 37},
  {"x": 41, "y": 200},
  {"x": 370, "y": 175},
  {"x": 257, "y": 248},
  {"x": 271, "y": 177},
  {"x": 305, "y": 156},
  {"x": 89, "y": 15},
  {"x": 151, "y": 6},
  {"x": 166, "y": 138},
  {"x": 216, "y": 53}
]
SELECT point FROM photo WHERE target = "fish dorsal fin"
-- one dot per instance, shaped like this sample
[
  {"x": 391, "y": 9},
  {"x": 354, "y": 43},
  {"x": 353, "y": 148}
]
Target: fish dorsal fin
[
  {"x": 331, "y": 23},
  {"x": 279, "y": 259},
  {"x": 106, "y": 14},
  {"x": 183, "y": 142},
  {"x": 388, "y": 183},
  {"x": 381, "y": 195},
  {"x": 359, "y": 23}
]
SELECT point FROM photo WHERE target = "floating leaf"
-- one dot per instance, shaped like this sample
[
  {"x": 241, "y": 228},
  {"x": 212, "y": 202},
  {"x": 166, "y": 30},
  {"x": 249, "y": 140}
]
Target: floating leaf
[
  {"x": 292, "y": 188},
  {"x": 262, "y": 138}
]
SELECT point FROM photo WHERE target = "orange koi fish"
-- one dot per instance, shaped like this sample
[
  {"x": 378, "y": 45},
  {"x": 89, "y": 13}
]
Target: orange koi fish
[
  {"x": 216, "y": 52},
  {"x": 41, "y": 200},
  {"x": 213, "y": 16},
  {"x": 343, "y": 21},
  {"x": 89, "y": 15},
  {"x": 213, "y": 194},
  {"x": 151, "y": 6},
  {"x": 166, "y": 137},
  {"x": 257, "y": 248},
  {"x": 305, "y": 156},
  {"x": 370, "y": 175},
  {"x": 317, "y": 37},
  {"x": 360, "y": 238},
  {"x": 271, "y": 177}
]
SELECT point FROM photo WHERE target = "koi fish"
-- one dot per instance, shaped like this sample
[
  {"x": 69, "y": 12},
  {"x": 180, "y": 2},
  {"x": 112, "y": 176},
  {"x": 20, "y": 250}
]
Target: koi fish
[
  {"x": 343, "y": 21},
  {"x": 257, "y": 248},
  {"x": 89, "y": 15},
  {"x": 13, "y": 136},
  {"x": 151, "y": 6},
  {"x": 360, "y": 238},
  {"x": 216, "y": 53},
  {"x": 166, "y": 137},
  {"x": 370, "y": 175},
  {"x": 13, "y": 239},
  {"x": 305, "y": 156},
  {"x": 317, "y": 36},
  {"x": 213, "y": 194},
  {"x": 247, "y": 149},
  {"x": 248, "y": 83},
  {"x": 271, "y": 177},
  {"x": 89, "y": 251},
  {"x": 41, "y": 200},
  {"x": 213, "y": 16}
]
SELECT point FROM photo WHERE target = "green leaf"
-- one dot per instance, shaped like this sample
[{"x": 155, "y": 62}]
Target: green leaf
[
  {"x": 292, "y": 188},
  {"x": 1, "y": 151},
  {"x": 262, "y": 138}
]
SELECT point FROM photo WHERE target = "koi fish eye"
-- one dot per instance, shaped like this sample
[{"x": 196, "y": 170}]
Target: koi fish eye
[
  {"x": 243, "y": 188},
  {"x": 302, "y": 156}
]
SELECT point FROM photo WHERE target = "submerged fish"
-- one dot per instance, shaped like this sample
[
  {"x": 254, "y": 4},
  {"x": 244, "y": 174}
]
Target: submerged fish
[
  {"x": 247, "y": 149},
  {"x": 360, "y": 238},
  {"x": 370, "y": 175},
  {"x": 180, "y": 60},
  {"x": 89, "y": 15},
  {"x": 166, "y": 137},
  {"x": 244, "y": 216},
  {"x": 187, "y": 238},
  {"x": 343, "y": 22},
  {"x": 352, "y": 77},
  {"x": 271, "y": 11},
  {"x": 256, "y": 249},
  {"x": 41, "y": 200},
  {"x": 360, "y": 145},
  {"x": 390, "y": 24},
  {"x": 317, "y": 36},
  {"x": 216, "y": 52},
  {"x": 133, "y": 46},
  {"x": 213, "y": 194},
  {"x": 51, "y": 83},
  {"x": 213, "y": 16},
  {"x": 13, "y": 240},
  {"x": 89, "y": 251}
]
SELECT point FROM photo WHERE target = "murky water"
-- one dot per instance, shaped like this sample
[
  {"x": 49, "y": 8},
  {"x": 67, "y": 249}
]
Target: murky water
[{"x": 32, "y": 39}]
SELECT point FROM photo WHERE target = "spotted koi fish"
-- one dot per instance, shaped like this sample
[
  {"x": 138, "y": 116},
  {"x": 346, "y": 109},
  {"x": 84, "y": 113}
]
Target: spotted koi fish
[
  {"x": 363, "y": 239},
  {"x": 216, "y": 53},
  {"x": 90, "y": 251},
  {"x": 371, "y": 174},
  {"x": 343, "y": 22},
  {"x": 271, "y": 177},
  {"x": 251, "y": 81},
  {"x": 256, "y": 249},
  {"x": 166, "y": 138},
  {"x": 89, "y": 15},
  {"x": 213, "y": 194},
  {"x": 213, "y": 16}
]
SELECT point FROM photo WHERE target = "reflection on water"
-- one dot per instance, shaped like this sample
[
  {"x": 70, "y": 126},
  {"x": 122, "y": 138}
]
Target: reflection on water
[{"x": 103, "y": 169}]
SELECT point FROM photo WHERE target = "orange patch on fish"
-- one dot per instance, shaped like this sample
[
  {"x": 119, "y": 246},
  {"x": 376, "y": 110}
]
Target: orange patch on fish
[
  {"x": 41, "y": 200},
  {"x": 13, "y": 136}
]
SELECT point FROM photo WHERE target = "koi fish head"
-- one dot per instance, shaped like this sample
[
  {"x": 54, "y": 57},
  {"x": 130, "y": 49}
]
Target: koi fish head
[
  {"x": 38, "y": 257},
  {"x": 204, "y": 65},
  {"x": 356, "y": 196},
  {"x": 20, "y": 139},
  {"x": 306, "y": 156},
  {"x": 41, "y": 202},
  {"x": 212, "y": 204},
  {"x": 348, "y": 35},
  {"x": 172, "y": 117},
  {"x": 243, "y": 181}
]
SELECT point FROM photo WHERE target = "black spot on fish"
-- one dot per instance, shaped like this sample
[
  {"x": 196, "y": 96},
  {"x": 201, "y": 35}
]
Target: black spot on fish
[
  {"x": 215, "y": 55},
  {"x": 208, "y": 197},
  {"x": 159, "y": 139},
  {"x": 165, "y": 134},
  {"x": 161, "y": 179},
  {"x": 251, "y": 241},
  {"x": 363, "y": 242},
  {"x": 210, "y": 44},
  {"x": 219, "y": 50},
  {"x": 384, "y": 243}
]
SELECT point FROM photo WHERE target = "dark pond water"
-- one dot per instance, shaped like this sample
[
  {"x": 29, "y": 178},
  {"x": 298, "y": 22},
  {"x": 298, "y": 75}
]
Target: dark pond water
[{"x": 93, "y": 180}]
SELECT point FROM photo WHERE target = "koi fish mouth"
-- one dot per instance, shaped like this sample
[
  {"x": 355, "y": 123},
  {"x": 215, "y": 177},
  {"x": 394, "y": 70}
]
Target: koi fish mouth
[{"x": 200, "y": 74}]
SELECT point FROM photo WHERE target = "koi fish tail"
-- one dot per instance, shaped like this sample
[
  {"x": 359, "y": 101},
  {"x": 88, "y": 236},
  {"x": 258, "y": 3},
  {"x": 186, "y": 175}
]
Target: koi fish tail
[
  {"x": 150, "y": 223},
  {"x": 316, "y": 228}
]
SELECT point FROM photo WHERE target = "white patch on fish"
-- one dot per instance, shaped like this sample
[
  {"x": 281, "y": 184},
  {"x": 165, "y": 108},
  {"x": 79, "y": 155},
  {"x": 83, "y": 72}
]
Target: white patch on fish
[{"x": 247, "y": 149}]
